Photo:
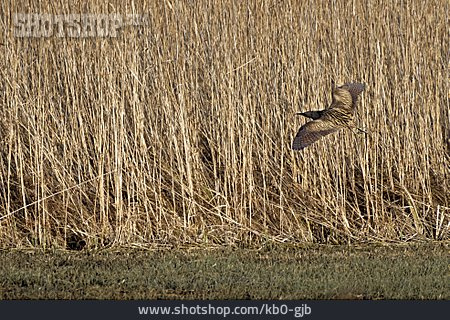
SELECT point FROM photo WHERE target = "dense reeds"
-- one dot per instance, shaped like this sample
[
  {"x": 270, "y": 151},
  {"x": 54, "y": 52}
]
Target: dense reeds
[{"x": 178, "y": 132}]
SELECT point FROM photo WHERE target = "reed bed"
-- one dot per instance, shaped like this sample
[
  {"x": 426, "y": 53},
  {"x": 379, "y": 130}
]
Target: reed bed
[{"x": 178, "y": 132}]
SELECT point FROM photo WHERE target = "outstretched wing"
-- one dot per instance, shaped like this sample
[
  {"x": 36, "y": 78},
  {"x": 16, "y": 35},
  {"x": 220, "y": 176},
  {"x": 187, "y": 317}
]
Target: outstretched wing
[
  {"x": 311, "y": 132},
  {"x": 347, "y": 94}
]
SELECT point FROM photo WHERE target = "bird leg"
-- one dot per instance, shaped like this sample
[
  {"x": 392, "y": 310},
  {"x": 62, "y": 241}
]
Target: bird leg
[{"x": 360, "y": 131}]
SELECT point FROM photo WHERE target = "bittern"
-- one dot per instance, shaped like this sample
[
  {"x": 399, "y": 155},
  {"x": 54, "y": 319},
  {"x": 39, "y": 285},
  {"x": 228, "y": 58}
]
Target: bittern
[{"x": 339, "y": 115}]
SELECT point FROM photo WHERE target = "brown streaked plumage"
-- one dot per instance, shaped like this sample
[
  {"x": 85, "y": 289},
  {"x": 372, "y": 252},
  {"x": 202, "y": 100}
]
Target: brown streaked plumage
[{"x": 340, "y": 114}]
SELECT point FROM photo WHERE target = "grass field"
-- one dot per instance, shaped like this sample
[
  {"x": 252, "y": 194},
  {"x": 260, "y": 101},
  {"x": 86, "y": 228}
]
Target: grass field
[
  {"x": 278, "y": 272},
  {"x": 178, "y": 132}
]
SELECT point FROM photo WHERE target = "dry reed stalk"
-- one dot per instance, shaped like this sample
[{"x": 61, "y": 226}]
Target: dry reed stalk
[{"x": 176, "y": 132}]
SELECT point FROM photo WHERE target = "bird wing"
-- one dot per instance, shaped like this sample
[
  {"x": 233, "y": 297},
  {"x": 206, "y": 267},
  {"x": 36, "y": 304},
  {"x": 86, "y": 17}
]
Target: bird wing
[
  {"x": 312, "y": 131},
  {"x": 348, "y": 94}
]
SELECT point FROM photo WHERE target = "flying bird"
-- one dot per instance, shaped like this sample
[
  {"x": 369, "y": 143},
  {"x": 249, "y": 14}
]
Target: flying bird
[{"x": 339, "y": 115}]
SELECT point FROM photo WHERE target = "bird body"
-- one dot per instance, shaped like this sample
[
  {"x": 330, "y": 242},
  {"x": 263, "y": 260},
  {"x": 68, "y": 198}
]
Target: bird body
[
  {"x": 339, "y": 117},
  {"x": 340, "y": 114}
]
